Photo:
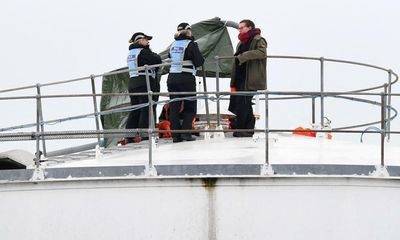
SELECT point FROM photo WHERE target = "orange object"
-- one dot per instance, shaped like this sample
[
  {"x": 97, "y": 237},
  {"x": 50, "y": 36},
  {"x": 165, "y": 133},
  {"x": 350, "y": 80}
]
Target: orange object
[
  {"x": 165, "y": 125},
  {"x": 330, "y": 136},
  {"x": 124, "y": 141},
  {"x": 304, "y": 131},
  {"x": 308, "y": 132},
  {"x": 233, "y": 89}
]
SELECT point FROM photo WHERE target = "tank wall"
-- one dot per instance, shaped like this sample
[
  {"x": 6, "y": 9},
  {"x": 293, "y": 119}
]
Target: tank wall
[{"x": 227, "y": 208}]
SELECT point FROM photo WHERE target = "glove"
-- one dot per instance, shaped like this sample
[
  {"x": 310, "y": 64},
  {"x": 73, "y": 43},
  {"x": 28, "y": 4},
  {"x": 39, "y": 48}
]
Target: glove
[{"x": 237, "y": 62}]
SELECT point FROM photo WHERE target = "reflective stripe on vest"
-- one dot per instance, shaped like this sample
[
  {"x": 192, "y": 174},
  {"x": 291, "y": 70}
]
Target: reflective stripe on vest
[{"x": 177, "y": 53}]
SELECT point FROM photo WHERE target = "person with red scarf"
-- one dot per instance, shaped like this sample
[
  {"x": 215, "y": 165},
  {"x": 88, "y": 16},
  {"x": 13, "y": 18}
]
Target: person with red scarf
[{"x": 248, "y": 74}]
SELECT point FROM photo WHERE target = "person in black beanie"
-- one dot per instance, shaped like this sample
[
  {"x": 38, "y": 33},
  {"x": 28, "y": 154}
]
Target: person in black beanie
[
  {"x": 139, "y": 55},
  {"x": 181, "y": 78},
  {"x": 248, "y": 74}
]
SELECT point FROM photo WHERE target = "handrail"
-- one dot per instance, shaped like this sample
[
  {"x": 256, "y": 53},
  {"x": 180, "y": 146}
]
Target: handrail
[
  {"x": 217, "y": 92},
  {"x": 40, "y": 134},
  {"x": 134, "y": 107},
  {"x": 127, "y": 132},
  {"x": 346, "y": 62},
  {"x": 90, "y": 76},
  {"x": 187, "y": 62}
]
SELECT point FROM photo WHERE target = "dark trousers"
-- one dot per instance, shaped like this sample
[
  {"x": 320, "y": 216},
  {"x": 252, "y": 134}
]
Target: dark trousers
[
  {"x": 244, "y": 113},
  {"x": 179, "y": 84},
  {"x": 139, "y": 118},
  {"x": 241, "y": 106}
]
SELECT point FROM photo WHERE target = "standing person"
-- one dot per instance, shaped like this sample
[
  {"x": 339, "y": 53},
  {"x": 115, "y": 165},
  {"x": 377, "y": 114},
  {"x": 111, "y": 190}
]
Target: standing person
[
  {"x": 139, "y": 55},
  {"x": 181, "y": 78},
  {"x": 248, "y": 74}
]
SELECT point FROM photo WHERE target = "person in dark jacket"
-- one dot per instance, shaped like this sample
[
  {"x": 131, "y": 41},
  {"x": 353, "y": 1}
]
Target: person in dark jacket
[
  {"x": 248, "y": 74},
  {"x": 139, "y": 55},
  {"x": 181, "y": 78}
]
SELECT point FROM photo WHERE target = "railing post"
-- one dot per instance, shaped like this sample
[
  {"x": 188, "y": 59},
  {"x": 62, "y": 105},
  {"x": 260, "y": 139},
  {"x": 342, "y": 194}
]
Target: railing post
[
  {"x": 266, "y": 168},
  {"x": 217, "y": 88},
  {"x": 313, "y": 110},
  {"x": 206, "y": 96},
  {"x": 266, "y": 128},
  {"x": 96, "y": 117},
  {"x": 40, "y": 108},
  {"x": 389, "y": 104},
  {"x": 150, "y": 98},
  {"x": 385, "y": 91},
  {"x": 37, "y": 155},
  {"x": 151, "y": 169},
  {"x": 322, "y": 90},
  {"x": 383, "y": 117}
]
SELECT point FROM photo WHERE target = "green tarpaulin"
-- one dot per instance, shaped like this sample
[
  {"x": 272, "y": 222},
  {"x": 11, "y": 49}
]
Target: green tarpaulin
[{"x": 213, "y": 40}]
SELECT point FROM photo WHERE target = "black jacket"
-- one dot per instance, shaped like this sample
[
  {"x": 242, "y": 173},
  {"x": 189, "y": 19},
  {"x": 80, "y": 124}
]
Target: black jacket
[
  {"x": 148, "y": 57},
  {"x": 192, "y": 52}
]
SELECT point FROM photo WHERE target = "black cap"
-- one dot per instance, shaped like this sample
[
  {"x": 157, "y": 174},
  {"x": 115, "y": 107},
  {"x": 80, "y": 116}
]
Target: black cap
[
  {"x": 183, "y": 26},
  {"x": 139, "y": 35}
]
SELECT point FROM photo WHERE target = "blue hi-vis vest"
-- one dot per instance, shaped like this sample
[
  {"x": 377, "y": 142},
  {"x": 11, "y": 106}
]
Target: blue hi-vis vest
[
  {"x": 133, "y": 61},
  {"x": 177, "y": 53},
  {"x": 133, "y": 64}
]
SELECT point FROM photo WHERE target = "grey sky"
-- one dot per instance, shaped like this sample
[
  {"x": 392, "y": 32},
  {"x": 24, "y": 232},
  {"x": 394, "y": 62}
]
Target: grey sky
[{"x": 44, "y": 41}]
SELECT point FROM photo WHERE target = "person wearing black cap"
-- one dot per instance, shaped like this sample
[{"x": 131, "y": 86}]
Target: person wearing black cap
[
  {"x": 139, "y": 55},
  {"x": 181, "y": 78}
]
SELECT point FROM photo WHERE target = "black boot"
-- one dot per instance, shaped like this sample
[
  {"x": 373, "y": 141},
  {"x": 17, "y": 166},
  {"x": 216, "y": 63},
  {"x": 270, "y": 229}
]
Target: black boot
[
  {"x": 176, "y": 137},
  {"x": 243, "y": 134},
  {"x": 187, "y": 137}
]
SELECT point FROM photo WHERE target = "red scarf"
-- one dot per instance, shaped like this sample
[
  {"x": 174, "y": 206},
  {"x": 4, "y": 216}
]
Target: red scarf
[{"x": 245, "y": 37}]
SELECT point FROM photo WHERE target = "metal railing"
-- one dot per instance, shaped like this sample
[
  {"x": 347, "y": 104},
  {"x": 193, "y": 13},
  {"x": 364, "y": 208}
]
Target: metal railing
[{"x": 41, "y": 135}]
